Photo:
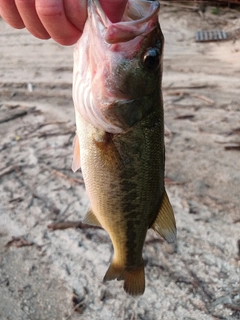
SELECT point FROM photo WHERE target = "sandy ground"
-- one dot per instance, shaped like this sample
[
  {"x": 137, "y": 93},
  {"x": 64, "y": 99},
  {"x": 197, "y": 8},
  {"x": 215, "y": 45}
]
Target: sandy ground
[{"x": 47, "y": 274}]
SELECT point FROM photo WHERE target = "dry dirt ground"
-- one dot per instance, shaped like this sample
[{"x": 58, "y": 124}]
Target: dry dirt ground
[{"x": 46, "y": 274}]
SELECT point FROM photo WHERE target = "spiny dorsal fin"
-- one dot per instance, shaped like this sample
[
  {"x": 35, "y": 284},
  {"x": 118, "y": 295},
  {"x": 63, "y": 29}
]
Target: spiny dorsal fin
[
  {"x": 165, "y": 224},
  {"x": 76, "y": 154},
  {"x": 91, "y": 219}
]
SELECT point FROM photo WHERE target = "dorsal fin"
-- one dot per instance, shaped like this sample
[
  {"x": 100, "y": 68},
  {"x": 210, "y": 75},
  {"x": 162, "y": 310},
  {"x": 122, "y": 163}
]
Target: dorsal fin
[
  {"x": 76, "y": 154},
  {"x": 91, "y": 219},
  {"x": 165, "y": 224}
]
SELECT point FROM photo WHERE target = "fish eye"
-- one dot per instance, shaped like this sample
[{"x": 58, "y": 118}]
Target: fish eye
[{"x": 151, "y": 59}]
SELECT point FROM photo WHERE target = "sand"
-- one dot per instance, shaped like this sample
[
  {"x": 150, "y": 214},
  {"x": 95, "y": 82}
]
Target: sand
[{"x": 46, "y": 274}]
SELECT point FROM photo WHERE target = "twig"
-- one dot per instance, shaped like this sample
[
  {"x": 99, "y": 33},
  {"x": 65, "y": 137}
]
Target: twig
[
  {"x": 197, "y": 86},
  {"x": 232, "y": 307},
  {"x": 232, "y": 147},
  {"x": 70, "y": 224},
  {"x": 17, "y": 199},
  {"x": 185, "y": 116},
  {"x": 19, "y": 242},
  {"x": 236, "y": 131},
  {"x": 13, "y": 114},
  {"x": 64, "y": 176},
  {"x": 154, "y": 240},
  {"x": 40, "y": 125},
  {"x": 78, "y": 306},
  {"x": 183, "y": 94},
  {"x": 171, "y": 182},
  {"x": 9, "y": 170},
  {"x": 198, "y": 283},
  {"x": 175, "y": 4},
  {"x": 52, "y": 133},
  {"x": 209, "y": 101}
]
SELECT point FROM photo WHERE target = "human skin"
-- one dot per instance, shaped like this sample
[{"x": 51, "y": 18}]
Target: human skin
[{"x": 61, "y": 20}]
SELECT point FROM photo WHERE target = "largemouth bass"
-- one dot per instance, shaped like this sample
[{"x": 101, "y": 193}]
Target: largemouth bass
[{"x": 120, "y": 133}]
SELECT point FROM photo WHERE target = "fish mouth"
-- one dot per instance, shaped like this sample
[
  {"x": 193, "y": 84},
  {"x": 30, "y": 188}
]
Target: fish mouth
[
  {"x": 97, "y": 97},
  {"x": 139, "y": 18}
]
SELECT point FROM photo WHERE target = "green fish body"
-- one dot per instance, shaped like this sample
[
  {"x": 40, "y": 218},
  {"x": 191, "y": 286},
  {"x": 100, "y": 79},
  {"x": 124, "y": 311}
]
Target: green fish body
[{"x": 120, "y": 133}]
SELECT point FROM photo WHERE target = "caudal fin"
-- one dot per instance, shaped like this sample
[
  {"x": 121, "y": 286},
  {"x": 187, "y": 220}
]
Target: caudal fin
[
  {"x": 134, "y": 281},
  {"x": 134, "y": 278}
]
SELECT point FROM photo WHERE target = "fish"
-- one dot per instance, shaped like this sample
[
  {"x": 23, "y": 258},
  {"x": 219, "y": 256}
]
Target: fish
[{"x": 119, "y": 141}]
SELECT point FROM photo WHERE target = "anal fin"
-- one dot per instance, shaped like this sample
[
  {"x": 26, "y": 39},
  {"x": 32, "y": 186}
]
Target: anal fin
[
  {"x": 91, "y": 219},
  {"x": 165, "y": 224}
]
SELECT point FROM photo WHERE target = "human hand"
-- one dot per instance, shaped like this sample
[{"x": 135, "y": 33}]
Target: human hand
[{"x": 62, "y": 20}]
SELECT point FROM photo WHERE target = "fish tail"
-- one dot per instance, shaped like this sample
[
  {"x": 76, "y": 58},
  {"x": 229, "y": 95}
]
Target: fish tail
[{"x": 134, "y": 278}]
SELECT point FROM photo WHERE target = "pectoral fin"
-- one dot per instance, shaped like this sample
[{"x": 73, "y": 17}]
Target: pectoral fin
[
  {"x": 91, "y": 219},
  {"x": 165, "y": 224},
  {"x": 76, "y": 154}
]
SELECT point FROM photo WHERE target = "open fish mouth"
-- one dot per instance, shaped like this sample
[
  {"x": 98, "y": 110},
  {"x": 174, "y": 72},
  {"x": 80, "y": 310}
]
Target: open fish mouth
[
  {"x": 137, "y": 19},
  {"x": 110, "y": 46}
]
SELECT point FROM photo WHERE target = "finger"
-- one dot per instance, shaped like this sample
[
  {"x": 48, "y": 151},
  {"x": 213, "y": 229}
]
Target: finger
[
  {"x": 76, "y": 12},
  {"x": 52, "y": 15},
  {"x": 9, "y": 13},
  {"x": 114, "y": 9},
  {"x": 30, "y": 18}
]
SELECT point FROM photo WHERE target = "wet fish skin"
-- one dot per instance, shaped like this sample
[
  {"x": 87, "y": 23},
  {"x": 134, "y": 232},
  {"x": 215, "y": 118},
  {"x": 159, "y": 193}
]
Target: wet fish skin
[{"x": 120, "y": 134}]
